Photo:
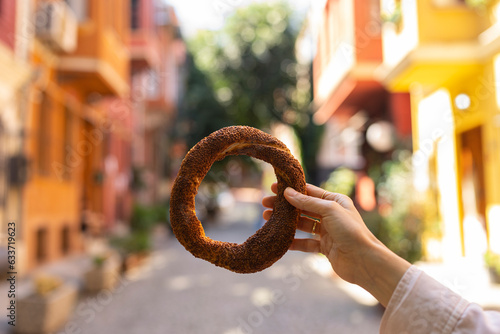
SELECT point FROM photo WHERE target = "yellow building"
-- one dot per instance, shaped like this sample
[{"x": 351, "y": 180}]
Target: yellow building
[{"x": 446, "y": 54}]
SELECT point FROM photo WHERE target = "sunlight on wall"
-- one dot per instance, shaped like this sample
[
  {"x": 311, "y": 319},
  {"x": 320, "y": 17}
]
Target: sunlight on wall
[
  {"x": 497, "y": 78},
  {"x": 397, "y": 44},
  {"x": 434, "y": 123},
  {"x": 495, "y": 17},
  {"x": 475, "y": 240},
  {"x": 343, "y": 57},
  {"x": 435, "y": 138},
  {"x": 433, "y": 249},
  {"x": 494, "y": 226},
  {"x": 447, "y": 177}
]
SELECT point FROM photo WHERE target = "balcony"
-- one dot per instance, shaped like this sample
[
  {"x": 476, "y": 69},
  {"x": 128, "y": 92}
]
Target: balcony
[
  {"x": 347, "y": 59},
  {"x": 100, "y": 62},
  {"x": 434, "y": 41},
  {"x": 144, "y": 50},
  {"x": 164, "y": 83}
]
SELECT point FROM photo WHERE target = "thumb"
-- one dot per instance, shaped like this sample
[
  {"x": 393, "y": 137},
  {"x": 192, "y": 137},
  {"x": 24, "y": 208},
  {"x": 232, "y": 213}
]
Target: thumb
[{"x": 307, "y": 203}]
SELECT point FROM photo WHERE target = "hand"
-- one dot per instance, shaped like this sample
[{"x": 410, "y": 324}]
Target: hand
[
  {"x": 353, "y": 251},
  {"x": 343, "y": 236}
]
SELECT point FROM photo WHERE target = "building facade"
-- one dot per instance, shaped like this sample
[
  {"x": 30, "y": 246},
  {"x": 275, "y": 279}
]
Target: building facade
[
  {"x": 15, "y": 75},
  {"x": 81, "y": 57},
  {"x": 348, "y": 95},
  {"x": 157, "y": 61},
  {"x": 431, "y": 68},
  {"x": 446, "y": 55},
  {"x": 88, "y": 91}
]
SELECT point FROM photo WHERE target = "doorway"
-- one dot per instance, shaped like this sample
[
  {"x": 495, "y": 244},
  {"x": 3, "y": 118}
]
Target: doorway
[
  {"x": 41, "y": 245},
  {"x": 473, "y": 197}
]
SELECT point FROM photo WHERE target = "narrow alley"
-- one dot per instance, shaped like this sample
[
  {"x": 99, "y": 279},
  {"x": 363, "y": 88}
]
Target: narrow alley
[{"x": 177, "y": 293}]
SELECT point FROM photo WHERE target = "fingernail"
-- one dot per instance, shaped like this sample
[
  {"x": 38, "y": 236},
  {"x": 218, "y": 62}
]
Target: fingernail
[{"x": 290, "y": 191}]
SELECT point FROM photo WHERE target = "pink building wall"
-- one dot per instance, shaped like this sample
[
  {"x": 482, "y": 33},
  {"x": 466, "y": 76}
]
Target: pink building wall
[{"x": 8, "y": 22}]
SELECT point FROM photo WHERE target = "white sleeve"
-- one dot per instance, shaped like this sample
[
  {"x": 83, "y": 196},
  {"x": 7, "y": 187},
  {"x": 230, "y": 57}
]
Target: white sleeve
[{"x": 420, "y": 304}]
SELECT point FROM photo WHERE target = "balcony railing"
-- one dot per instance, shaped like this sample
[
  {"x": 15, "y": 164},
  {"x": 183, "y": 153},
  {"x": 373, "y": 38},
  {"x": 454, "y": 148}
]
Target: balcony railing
[
  {"x": 426, "y": 23},
  {"x": 100, "y": 62},
  {"x": 144, "y": 49}
]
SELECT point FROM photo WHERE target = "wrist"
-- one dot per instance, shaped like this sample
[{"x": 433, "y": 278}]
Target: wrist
[{"x": 382, "y": 270}]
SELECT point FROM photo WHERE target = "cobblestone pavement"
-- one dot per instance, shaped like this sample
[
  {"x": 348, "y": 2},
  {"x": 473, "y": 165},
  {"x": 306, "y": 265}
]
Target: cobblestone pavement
[
  {"x": 177, "y": 293},
  {"x": 173, "y": 292}
]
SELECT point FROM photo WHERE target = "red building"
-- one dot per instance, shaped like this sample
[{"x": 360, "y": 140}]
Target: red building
[
  {"x": 157, "y": 57},
  {"x": 8, "y": 23},
  {"x": 135, "y": 151},
  {"x": 117, "y": 196},
  {"x": 347, "y": 92}
]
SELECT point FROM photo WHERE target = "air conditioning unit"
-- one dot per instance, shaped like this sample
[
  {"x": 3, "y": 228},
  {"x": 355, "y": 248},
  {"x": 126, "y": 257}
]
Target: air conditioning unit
[{"x": 56, "y": 25}]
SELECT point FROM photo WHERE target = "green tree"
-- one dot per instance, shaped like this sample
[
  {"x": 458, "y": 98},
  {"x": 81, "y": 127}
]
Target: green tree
[
  {"x": 200, "y": 112},
  {"x": 254, "y": 77}
]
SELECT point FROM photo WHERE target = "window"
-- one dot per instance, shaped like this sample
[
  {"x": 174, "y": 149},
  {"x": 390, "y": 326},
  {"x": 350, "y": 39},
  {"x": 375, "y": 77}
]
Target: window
[
  {"x": 4, "y": 167},
  {"x": 41, "y": 244},
  {"x": 134, "y": 15},
  {"x": 67, "y": 139},
  {"x": 44, "y": 133},
  {"x": 65, "y": 240},
  {"x": 153, "y": 82}
]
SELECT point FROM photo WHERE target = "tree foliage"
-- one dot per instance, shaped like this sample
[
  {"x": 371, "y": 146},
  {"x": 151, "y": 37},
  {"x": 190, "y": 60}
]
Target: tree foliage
[
  {"x": 200, "y": 112},
  {"x": 248, "y": 74}
]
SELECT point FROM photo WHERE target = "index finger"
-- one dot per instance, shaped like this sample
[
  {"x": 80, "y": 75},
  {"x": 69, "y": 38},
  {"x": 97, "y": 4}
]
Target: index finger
[
  {"x": 341, "y": 199},
  {"x": 307, "y": 203}
]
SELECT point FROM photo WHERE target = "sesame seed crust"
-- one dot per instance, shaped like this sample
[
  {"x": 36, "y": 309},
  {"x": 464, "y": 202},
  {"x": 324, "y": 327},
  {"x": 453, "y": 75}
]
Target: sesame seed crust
[{"x": 271, "y": 241}]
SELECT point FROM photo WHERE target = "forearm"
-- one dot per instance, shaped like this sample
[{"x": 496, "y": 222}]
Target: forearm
[{"x": 381, "y": 272}]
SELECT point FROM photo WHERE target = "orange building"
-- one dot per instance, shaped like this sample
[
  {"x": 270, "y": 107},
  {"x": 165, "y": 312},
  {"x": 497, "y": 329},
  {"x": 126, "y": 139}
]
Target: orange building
[{"x": 80, "y": 54}]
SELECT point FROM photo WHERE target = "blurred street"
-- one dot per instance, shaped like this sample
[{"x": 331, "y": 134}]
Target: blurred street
[
  {"x": 177, "y": 293},
  {"x": 173, "y": 292}
]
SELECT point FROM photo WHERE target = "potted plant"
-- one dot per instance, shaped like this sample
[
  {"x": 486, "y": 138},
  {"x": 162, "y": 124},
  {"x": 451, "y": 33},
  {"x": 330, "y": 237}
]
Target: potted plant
[
  {"x": 492, "y": 261},
  {"x": 48, "y": 308},
  {"x": 133, "y": 248},
  {"x": 103, "y": 274}
]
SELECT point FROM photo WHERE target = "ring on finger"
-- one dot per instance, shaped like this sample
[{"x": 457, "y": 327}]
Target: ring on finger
[{"x": 324, "y": 194}]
